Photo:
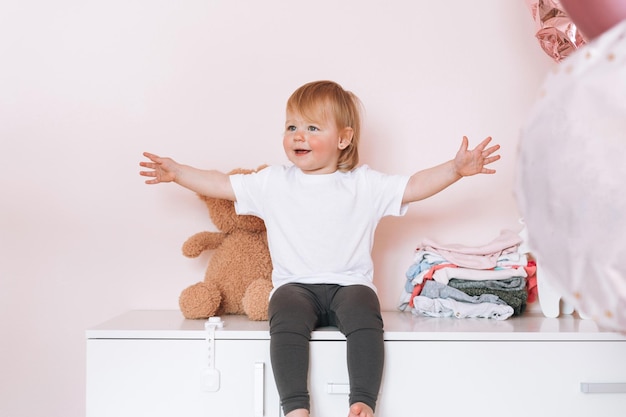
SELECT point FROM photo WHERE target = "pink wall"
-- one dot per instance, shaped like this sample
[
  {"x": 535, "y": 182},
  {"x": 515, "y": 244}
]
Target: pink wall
[{"x": 85, "y": 87}]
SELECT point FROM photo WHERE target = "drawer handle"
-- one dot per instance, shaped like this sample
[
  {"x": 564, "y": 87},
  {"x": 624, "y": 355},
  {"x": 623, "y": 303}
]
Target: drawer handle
[
  {"x": 334, "y": 388},
  {"x": 603, "y": 387},
  {"x": 259, "y": 389}
]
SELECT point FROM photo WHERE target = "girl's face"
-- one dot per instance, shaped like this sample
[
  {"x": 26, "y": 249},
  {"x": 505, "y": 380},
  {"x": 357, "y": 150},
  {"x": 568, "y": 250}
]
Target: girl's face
[{"x": 314, "y": 146}]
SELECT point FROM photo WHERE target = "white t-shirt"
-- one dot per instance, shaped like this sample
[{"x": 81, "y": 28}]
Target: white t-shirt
[{"x": 320, "y": 228}]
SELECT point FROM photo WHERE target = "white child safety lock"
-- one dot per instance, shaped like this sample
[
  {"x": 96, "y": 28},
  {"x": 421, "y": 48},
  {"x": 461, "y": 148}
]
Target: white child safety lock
[{"x": 210, "y": 375}]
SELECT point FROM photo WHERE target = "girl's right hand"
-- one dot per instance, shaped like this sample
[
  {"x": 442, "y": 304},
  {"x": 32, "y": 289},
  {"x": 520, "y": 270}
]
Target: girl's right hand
[{"x": 163, "y": 169}]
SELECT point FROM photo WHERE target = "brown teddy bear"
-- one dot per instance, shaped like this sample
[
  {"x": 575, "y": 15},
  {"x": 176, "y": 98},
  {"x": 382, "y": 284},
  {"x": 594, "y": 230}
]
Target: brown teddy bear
[{"x": 238, "y": 279}]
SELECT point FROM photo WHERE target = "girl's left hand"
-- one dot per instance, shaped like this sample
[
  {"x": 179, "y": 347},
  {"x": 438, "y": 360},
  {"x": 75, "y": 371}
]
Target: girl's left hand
[{"x": 471, "y": 162}]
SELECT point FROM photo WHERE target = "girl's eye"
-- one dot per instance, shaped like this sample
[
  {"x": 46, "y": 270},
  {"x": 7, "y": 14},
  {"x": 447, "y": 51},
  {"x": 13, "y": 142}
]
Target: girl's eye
[
  {"x": 291, "y": 128},
  {"x": 313, "y": 129}
]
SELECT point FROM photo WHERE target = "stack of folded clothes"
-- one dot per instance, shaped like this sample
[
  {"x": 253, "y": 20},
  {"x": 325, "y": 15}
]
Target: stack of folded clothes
[{"x": 495, "y": 280}]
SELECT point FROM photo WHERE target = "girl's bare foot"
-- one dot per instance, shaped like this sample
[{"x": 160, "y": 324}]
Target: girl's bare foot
[
  {"x": 360, "y": 410},
  {"x": 300, "y": 412}
]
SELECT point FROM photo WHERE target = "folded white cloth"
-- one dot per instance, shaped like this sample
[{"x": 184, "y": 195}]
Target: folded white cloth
[
  {"x": 447, "y": 307},
  {"x": 444, "y": 275}
]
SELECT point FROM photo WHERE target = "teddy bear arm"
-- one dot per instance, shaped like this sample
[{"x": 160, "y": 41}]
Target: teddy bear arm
[{"x": 200, "y": 242}]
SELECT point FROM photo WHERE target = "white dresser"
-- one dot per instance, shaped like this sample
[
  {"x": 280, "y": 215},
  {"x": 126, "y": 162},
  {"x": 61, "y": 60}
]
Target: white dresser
[{"x": 156, "y": 363}]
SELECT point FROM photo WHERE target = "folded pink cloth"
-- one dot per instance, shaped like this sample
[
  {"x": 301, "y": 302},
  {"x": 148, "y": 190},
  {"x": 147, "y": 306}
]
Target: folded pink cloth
[{"x": 476, "y": 257}]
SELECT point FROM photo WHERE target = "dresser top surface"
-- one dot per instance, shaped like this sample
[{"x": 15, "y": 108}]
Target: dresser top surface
[{"x": 399, "y": 326}]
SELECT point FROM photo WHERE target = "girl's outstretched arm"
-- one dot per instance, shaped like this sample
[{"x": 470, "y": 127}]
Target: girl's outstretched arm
[
  {"x": 209, "y": 183},
  {"x": 429, "y": 182}
]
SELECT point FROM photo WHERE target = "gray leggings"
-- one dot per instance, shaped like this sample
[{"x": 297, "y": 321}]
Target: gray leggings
[{"x": 297, "y": 309}]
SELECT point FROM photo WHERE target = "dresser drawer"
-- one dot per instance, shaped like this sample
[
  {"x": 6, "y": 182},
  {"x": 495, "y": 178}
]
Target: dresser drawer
[
  {"x": 170, "y": 377},
  {"x": 518, "y": 378}
]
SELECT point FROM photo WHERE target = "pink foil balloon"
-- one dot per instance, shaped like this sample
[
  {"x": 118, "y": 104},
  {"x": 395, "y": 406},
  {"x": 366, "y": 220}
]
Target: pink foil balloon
[
  {"x": 594, "y": 17},
  {"x": 557, "y": 34}
]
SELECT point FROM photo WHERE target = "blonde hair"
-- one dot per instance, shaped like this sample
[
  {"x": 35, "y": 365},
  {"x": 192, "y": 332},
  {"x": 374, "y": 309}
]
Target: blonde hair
[{"x": 320, "y": 100}]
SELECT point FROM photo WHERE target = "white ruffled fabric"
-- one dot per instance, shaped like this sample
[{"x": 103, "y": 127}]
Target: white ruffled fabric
[{"x": 571, "y": 179}]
